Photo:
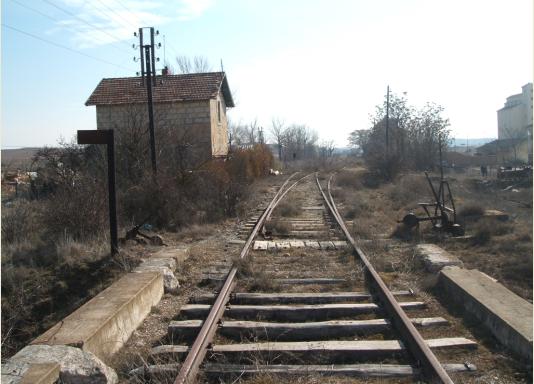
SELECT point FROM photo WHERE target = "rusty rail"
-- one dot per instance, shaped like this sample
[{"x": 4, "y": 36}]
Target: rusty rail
[
  {"x": 192, "y": 362},
  {"x": 431, "y": 368}
]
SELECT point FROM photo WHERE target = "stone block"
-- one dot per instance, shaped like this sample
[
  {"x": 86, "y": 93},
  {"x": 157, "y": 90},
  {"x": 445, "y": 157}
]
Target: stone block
[
  {"x": 435, "y": 258},
  {"x": 75, "y": 365},
  {"x": 500, "y": 311},
  {"x": 103, "y": 324}
]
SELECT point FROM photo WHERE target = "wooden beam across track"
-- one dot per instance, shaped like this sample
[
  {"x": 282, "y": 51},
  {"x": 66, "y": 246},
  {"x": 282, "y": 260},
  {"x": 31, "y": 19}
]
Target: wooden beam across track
[
  {"x": 310, "y": 330},
  {"x": 323, "y": 351},
  {"x": 256, "y": 298},
  {"x": 292, "y": 312}
]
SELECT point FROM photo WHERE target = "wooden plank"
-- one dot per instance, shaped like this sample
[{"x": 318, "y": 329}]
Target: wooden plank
[
  {"x": 319, "y": 350},
  {"x": 237, "y": 330},
  {"x": 214, "y": 279},
  {"x": 353, "y": 370},
  {"x": 291, "y": 312},
  {"x": 256, "y": 298}
]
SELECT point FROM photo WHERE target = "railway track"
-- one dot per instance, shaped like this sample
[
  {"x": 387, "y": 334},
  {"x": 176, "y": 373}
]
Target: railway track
[{"x": 305, "y": 300}]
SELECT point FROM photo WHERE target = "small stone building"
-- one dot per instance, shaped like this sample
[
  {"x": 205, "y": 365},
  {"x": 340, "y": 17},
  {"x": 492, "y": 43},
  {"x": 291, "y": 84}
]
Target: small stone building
[{"x": 189, "y": 110}]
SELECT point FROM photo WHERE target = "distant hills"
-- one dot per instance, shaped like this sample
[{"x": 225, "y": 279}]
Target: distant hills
[
  {"x": 17, "y": 158},
  {"x": 458, "y": 142}
]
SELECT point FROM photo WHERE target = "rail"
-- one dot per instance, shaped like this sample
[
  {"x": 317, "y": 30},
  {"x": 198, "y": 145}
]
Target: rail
[
  {"x": 431, "y": 368},
  {"x": 192, "y": 362}
]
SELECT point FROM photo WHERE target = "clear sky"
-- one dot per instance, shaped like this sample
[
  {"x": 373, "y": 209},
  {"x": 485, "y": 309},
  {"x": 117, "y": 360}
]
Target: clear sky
[{"x": 324, "y": 63}]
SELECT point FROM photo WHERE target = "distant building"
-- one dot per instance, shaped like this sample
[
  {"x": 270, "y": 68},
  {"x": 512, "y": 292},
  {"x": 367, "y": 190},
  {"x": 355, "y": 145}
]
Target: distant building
[
  {"x": 515, "y": 118},
  {"x": 191, "y": 108}
]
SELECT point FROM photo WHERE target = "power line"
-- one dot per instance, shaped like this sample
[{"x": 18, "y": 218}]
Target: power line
[
  {"x": 64, "y": 47},
  {"x": 126, "y": 8},
  {"x": 49, "y": 17},
  {"x": 128, "y": 23},
  {"x": 84, "y": 21}
]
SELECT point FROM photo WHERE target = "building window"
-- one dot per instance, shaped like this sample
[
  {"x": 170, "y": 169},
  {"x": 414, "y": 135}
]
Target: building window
[{"x": 219, "y": 111}]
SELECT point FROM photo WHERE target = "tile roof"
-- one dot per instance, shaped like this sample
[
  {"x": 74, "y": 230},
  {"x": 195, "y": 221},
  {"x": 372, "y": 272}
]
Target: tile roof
[{"x": 187, "y": 87}]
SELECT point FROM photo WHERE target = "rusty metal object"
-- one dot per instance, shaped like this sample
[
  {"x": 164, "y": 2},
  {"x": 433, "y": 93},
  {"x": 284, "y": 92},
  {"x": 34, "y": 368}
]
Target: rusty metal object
[
  {"x": 191, "y": 364},
  {"x": 443, "y": 216},
  {"x": 431, "y": 368}
]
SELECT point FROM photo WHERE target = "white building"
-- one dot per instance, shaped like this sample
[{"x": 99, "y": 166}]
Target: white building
[{"x": 515, "y": 118}]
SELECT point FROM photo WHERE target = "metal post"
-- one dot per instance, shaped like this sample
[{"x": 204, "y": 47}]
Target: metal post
[
  {"x": 111, "y": 195},
  {"x": 106, "y": 136},
  {"x": 387, "y": 124}
]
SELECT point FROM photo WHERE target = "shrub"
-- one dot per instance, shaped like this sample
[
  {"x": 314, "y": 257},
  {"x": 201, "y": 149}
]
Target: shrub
[
  {"x": 348, "y": 179},
  {"x": 20, "y": 222},
  {"x": 472, "y": 210}
]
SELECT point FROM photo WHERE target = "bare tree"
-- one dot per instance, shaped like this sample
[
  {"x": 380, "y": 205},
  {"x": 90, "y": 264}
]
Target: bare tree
[
  {"x": 199, "y": 64},
  {"x": 278, "y": 133},
  {"x": 252, "y": 131}
]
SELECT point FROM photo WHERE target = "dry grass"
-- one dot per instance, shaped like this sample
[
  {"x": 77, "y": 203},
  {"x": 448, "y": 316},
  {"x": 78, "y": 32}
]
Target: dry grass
[
  {"x": 289, "y": 207},
  {"x": 195, "y": 232},
  {"x": 471, "y": 210},
  {"x": 258, "y": 279},
  {"x": 278, "y": 227}
]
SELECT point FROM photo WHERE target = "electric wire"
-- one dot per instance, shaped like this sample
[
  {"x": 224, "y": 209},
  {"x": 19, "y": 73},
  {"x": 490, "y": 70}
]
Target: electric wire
[
  {"x": 128, "y": 23},
  {"x": 115, "y": 38},
  {"x": 64, "y": 47},
  {"x": 51, "y": 18}
]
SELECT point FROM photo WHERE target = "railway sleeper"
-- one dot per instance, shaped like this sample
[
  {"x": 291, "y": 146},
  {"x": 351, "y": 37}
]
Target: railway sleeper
[
  {"x": 292, "y": 312},
  {"x": 187, "y": 330},
  {"x": 311, "y": 352},
  {"x": 163, "y": 372},
  {"x": 220, "y": 278},
  {"x": 251, "y": 298}
]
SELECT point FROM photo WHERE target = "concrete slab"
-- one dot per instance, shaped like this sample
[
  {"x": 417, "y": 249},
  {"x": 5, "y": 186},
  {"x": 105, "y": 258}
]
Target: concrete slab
[
  {"x": 327, "y": 245},
  {"x": 507, "y": 316},
  {"x": 260, "y": 245},
  {"x": 312, "y": 244},
  {"x": 340, "y": 244},
  {"x": 435, "y": 258},
  {"x": 297, "y": 244},
  {"x": 180, "y": 254},
  {"x": 282, "y": 245},
  {"x": 104, "y": 323},
  {"x": 271, "y": 245}
]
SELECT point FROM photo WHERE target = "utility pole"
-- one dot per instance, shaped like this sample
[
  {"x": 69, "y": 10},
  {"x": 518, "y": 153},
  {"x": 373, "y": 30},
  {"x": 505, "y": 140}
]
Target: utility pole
[
  {"x": 148, "y": 75},
  {"x": 387, "y": 125}
]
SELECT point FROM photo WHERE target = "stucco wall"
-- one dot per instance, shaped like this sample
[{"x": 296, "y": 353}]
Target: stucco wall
[{"x": 219, "y": 129}]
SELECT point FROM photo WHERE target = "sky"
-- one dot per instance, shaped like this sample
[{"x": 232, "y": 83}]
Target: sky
[{"x": 323, "y": 63}]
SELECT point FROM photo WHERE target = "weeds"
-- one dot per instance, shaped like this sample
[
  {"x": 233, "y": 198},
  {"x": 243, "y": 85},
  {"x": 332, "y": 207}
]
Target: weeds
[{"x": 471, "y": 210}]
